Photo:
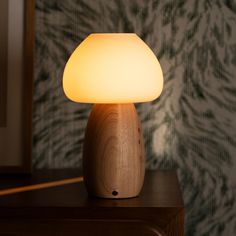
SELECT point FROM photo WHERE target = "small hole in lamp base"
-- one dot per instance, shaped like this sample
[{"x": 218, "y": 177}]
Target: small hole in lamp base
[{"x": 114, "y": 193}]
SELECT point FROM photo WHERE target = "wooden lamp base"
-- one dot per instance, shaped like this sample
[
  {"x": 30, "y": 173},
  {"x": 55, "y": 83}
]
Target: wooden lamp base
[{"x": 113, "y": 161}]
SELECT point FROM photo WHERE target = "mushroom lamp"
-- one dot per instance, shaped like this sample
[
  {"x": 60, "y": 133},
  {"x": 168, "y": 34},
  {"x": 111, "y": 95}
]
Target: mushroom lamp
[{"x": 113, "y": 71}]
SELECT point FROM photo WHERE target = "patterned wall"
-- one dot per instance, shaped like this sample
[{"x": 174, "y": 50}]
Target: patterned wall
[{"x": 191, "y": 127}]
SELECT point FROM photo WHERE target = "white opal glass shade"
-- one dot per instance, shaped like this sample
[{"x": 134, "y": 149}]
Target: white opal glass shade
[{"x": 112, "y": 68}]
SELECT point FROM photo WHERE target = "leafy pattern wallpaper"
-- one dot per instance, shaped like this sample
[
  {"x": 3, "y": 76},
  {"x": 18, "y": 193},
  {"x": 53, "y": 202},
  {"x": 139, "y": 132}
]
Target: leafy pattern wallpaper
[{"x": 190, "y": 128}]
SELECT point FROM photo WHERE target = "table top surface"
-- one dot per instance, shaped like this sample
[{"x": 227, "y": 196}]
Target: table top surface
[
  {"x": 161, "y": 189},
  {"x": 158, "y": 208}
]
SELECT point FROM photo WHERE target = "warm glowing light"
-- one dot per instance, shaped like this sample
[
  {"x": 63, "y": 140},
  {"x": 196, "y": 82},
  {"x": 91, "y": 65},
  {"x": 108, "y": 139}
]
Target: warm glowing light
[{"x": 112, "y": 68}]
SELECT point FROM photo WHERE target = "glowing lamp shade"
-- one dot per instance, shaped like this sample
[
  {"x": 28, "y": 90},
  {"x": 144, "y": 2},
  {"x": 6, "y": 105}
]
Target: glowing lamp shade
[{"x": 112, "y": 68}]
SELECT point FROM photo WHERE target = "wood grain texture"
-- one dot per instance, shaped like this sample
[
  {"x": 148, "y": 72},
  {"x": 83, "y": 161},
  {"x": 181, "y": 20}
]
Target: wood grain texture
[
  {"x": 113, "y": 160},
  {"x": 175, "y": 225}
]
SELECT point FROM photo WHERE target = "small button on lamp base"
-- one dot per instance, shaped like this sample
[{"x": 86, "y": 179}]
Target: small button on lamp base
[{"x": 113, "y": 161}]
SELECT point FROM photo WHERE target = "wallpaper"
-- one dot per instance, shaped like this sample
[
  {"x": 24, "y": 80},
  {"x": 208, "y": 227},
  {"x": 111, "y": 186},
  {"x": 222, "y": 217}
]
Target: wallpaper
[{"x": 190, "y": 128}]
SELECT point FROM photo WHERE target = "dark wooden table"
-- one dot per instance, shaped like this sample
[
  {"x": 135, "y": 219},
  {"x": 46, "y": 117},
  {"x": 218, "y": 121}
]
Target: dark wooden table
[{"x": 67, "y": 210}]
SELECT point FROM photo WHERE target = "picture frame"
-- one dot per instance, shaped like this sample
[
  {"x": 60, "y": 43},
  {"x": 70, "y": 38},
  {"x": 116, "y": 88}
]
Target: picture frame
[{"x": 16, "y": 84}]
